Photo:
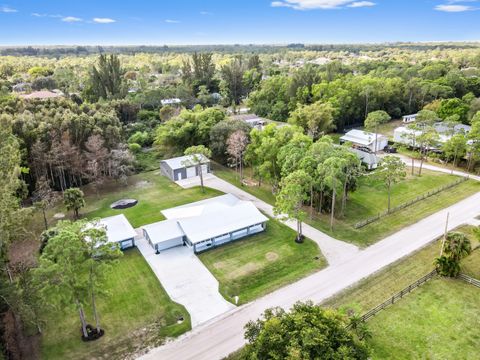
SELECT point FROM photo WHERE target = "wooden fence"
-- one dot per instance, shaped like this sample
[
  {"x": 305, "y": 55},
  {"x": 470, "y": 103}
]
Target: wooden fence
[
  {"x": 372, "y": 219},
  {"x": 469, "y": 279},
  {"x": 397, "y": 296}
]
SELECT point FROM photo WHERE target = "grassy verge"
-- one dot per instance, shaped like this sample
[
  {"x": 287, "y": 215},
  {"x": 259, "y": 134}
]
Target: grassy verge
[
  {"x": 360, "y": 207},
  {"x": 263, "y": 192},
  {"x": 135, "y": 312},
  {"x": 259, "y": 264},
  {"x": 437, "y": 321},
  {"x": 378, "y": 287}
]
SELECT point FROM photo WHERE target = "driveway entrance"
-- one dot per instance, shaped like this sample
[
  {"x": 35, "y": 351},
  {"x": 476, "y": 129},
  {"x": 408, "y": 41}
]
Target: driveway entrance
[{"x": 187, "y": 281}]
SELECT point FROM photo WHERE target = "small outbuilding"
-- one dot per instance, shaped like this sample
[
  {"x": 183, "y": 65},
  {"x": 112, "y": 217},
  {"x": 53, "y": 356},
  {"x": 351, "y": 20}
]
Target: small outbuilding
[
  {"x": 119, "y": 231},
  {"x": 406, "y": 119},
  {"x": 164, "y": 235},
  {"x": 184, "y": 167},
  {"x": 365, "y": 140}
]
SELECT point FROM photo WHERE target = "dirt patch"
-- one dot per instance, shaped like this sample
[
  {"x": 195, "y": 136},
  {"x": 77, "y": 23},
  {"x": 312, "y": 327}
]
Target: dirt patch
[
  {"x": 244, "y": 270},
  {"x": 271, "y": 256},
  {"x": 219, "y": 265},
  {"x": 143, "y": 184},
  {"x": 24, "y": 253}
]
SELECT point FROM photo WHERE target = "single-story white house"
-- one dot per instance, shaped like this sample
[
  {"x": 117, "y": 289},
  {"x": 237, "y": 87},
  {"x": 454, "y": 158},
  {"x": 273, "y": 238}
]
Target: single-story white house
[
  {"x": 369, "y": 159},
  {"x": 408, "y": 136},
  {"x": 409, "y": 118},
  {"x": 119, "y": 231},
  {"x": 183, "y": 167},
  {"x": 366, "y": 140},
  {"x": 205, "y": 224}
]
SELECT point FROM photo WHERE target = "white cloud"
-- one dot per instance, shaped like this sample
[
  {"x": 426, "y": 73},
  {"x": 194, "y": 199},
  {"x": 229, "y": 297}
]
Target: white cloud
[
  {"x": 170, "y": 21},
  {"x": 7, "y": 9},
  {"x": 103, "y": 20},
  {"x": 320, "y": 4},
  {"x": 453, "y": 8},
  {"x": 71, "y": 19},
  {"x": 205, "y": 13},
  {"x": 358, "y": 4}
]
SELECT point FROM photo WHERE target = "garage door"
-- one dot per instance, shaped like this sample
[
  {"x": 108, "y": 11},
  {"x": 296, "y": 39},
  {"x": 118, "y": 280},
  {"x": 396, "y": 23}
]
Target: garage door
[
  {"x": 191, "y": 172},
  {"x": 126, "y": 244},
  {"x": 167, "y": 244},
  {"x": 204, "y": 169}
]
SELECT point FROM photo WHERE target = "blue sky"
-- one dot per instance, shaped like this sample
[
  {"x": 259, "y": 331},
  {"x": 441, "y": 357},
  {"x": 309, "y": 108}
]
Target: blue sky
[{"x": 48, "y": 22}]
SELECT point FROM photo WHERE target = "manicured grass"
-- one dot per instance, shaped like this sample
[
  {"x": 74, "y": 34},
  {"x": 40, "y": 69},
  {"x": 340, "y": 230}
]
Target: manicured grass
[
  {"x": 259, "y": 264},
  {"x": 370, "y": 198},
  {"x": 135, "y": 312},
  {"x": 439, "y": 320},
  {"x": 263, "y": 192},
  {"x": 378, "y": 287},
  {"x": 153, "y": 192}
]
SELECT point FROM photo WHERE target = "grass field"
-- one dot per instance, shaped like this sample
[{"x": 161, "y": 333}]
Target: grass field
[
  {"x": 437, "y": 321},
  {"x": 259, "y": 264},
  {"x": 153, "y": 192},
  {"x": 370, "y": 198},
  {"x": 135, "y": 312}
]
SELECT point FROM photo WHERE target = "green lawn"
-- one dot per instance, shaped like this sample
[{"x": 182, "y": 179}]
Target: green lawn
[
  {"x": 263, "y": 192},
  {"x": 136, "y": 312},
  {"x": 153, "y": 192},
  {"x": 378, "y": 287},
  {"x": 370, "y": 198},
  {"x": 259, "y": 264},
  {"x": 439, "y": 320}
]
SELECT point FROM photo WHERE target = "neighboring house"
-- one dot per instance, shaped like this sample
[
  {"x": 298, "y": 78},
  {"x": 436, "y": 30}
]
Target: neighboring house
[
  {"x": 365, "y": 140},
  {"x": 22, "y": 87},
  {"x": 409, "y": 118},
  {"x": 183, "y": 167},
  {"x": 407, "y": 136},
  {"x": 206, "y": 224},
  {"x": 174, "y": 101},
  {"x": 119, "y": 231},
  {"x": 369, "y": 159},
  {"x": 43, "y": 94}
]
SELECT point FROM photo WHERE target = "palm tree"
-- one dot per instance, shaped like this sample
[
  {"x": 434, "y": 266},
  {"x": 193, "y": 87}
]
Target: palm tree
[{"x": 456, "y": 247}]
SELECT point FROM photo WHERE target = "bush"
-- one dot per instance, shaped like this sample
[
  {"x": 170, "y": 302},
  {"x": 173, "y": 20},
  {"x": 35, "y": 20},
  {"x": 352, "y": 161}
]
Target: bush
[
  {"x": 141, "y": 138},
  {"x": 134, "y": 148}
]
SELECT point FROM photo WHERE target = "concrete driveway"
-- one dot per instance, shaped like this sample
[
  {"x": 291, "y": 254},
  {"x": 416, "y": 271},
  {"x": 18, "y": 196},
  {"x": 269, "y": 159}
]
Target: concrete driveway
[{"x": 187, "y": 281}]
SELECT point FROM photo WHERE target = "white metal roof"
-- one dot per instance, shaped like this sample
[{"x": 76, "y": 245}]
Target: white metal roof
[
  {"x": 361, "y": 137},
  {"x": 184, "y": 161},
  {"x": 163, "y": 230},
  {"x": 118, "y": 228},
  {"x": 213, "y": 217},
  {"x": 170, "y": 101}
]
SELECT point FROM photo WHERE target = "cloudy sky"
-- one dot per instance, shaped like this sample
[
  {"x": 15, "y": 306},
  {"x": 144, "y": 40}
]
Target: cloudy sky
[{"x": 40, "y": 22}]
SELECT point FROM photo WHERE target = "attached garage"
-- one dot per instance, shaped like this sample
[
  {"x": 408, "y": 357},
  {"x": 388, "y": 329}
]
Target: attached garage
[
  {"x": 184, "y": 167},
  {"x": 164, "y": 235}
]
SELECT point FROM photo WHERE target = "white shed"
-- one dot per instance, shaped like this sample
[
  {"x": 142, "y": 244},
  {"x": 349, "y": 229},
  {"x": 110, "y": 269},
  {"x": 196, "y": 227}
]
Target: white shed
[{"x": 119, "y": 231}]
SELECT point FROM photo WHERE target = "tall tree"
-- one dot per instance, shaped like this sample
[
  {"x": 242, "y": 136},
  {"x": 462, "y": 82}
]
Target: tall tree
[
  {"x": 316, "y": 119},
  {"x": 455, "y": 148},
  {"x": 390, "y": 171},
  {"x": 291, "y": 197},
  {"x": 236, "y": 145},
  {"x": 232, "y": 85},
  {"x": 306, "y": 332},
  {"x": 373, "y": 120},
  {"x": 106, "y": 79},
  {"x": 332, "y": 168},
  {"x": 74, "y": 199},
  {"x": 44, "y": 197},
  {"x": 198, "y": 156}
]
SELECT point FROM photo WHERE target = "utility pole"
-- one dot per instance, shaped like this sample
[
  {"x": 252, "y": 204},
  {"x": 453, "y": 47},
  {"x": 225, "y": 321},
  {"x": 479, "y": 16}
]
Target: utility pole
[{"x": 444, "y": 235}]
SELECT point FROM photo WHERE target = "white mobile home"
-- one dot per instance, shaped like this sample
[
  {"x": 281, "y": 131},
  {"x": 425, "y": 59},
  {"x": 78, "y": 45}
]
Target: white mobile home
[
  {"x": 366, "y": 140},
  {"x": 409, "y": 118}
]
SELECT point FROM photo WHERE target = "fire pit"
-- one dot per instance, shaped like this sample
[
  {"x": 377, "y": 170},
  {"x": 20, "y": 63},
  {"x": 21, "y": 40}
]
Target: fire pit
[{"x": 124, "y": 204}]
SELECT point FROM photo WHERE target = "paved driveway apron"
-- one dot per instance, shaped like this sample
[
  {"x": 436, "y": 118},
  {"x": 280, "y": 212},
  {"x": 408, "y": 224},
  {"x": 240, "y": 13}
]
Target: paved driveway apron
[{"x": 187, "y": 281}]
